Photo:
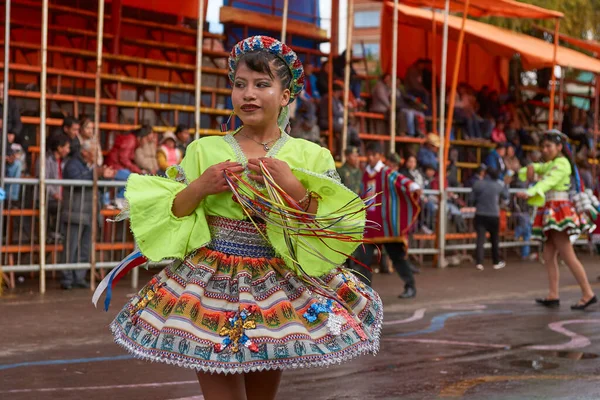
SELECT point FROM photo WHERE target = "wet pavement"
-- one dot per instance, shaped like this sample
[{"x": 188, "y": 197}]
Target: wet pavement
[{"x": 467, "y": 335}]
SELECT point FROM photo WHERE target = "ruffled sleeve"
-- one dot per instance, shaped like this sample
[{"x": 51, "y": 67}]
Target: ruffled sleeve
[
  {"x": 553, "y": 173},
  {"x": 340, "y": 212},
  {"x": 158, "y": 233}
]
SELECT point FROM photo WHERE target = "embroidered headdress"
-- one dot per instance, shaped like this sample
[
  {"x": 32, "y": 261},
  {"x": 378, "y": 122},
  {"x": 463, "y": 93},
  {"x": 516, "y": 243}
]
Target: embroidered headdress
[{"x": 274, "y": 46}]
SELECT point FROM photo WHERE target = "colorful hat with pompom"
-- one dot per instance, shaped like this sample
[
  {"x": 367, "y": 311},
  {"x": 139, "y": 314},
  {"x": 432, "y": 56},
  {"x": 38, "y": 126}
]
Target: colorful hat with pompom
[{"x": 274, "y": 46}]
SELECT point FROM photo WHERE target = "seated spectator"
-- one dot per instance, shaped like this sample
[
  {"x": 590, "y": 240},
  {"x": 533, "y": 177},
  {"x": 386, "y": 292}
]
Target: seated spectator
[
  {"x": 338, "y": 118},
  {"x": 14, "y": 163},
  {"x": 511, "y": 160},
  {"x": 14, "y": 126},
  {"x": 411, "y": 119},
  {"x": 183, "y": 138},
  {"x": 121, "y": 158},
  {"x": 498, "y": 135},
  {"x": 145, "y": 154},
  {"x": 381, "y": 95},
  {"x": 71, "y": 127},
  {"x": 339, "y": 71},
  {"x": 77, "y": 218},
  {"x": 413, "y": 81},
  {"x": 87, "y": 136},
  {"x": 59, "y": 147},
  {"x": 310, "y": 96},
  {"x": 464, "y": 113},
  {"x": 452, "y": 169},
  {"x": 495, "y": 160},
  {"x": 410, "y": 170},
  {"x": 323, "y": 79},
  {"x": 305, "y": 127},
  {"x": 13, "y": 170},
  {"x": 168, "y": 154},
  {"x": 428, "y": 154}
]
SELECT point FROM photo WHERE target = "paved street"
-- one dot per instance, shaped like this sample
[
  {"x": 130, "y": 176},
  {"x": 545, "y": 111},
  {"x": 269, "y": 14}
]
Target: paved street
[{"x": 468, "y": 335}]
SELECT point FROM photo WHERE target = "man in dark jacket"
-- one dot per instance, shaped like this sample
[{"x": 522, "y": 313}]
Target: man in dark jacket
[
  {"x": 13, "y": 123},
  {"x": 487, "y": 193},
  {"x": 76, "y": 216}
]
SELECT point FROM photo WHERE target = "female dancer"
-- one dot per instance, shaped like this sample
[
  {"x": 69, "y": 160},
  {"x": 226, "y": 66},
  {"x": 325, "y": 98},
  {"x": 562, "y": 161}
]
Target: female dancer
[
  {"x": 557, "y": 224},
  {"x": 262, "y": 224}
]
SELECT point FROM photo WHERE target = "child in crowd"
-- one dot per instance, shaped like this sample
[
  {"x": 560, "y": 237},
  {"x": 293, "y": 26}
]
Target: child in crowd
[
  {"x": 498, "y": 135},
  {"x": 168, "y": 154}
]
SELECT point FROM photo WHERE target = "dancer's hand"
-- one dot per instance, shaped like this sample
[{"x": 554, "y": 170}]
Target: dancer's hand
[
  {"x": 281, "y": 173},
  {"x": 522, "y": 195},
  {"x": 212, "y": 181}
]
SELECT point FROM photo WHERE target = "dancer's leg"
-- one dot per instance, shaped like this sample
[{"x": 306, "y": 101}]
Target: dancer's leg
[
  {"x": 262, "y": 385},
  {"x": 222, "y": 387},
  {"x": 565, "y": 248},
  {"x": 550, "y": 261}
]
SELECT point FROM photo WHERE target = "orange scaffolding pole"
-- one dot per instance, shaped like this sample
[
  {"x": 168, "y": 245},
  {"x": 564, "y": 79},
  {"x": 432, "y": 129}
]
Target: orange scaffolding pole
[
  {"x": 553, "y": 80},
  {"x": 450, "y": 117},
  {"x": 433, "y": 71}
]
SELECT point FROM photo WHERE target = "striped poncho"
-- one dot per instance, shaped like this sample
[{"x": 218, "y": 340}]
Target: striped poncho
[{"x": 399, "y": 207}]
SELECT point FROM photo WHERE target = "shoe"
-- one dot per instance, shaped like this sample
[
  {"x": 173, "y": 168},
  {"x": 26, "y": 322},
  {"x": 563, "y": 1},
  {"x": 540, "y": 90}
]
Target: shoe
[
  {"x": 479, "y": 267},
  {"x": 82, "y": 285},
  {"x": 409, "y": 293},
  {"x": 66, "y": 287},
  {"x": 550, "y": 303},
  {"x": 582, "y": 307},
  {"x": 500, "y": 265}
]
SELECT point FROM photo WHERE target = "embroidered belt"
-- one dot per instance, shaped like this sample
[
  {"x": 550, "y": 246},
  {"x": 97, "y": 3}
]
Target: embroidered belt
[
  {"x": 553, "y": 195},
  {"x": 239, "y": 238}
]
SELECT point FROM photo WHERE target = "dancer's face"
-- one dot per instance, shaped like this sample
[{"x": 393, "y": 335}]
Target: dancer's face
[
  {"x": 550, "y": 150},
  {"x": 257, "y": 98}
]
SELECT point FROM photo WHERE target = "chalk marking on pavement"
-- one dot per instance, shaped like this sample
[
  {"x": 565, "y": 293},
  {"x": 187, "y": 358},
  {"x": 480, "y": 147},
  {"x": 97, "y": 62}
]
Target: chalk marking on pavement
[
  {"x": 86, "y": 388},
  {"x": 577, "y": 341},
  {"x": 438, "y": 322},
  {"x": 450, "y": 342},
  {"x": 464, "y": 307},
  {"x": 460, "y": 388},
  {"x": 62, "y": 362},
  {"x": 419, "y": 314}
]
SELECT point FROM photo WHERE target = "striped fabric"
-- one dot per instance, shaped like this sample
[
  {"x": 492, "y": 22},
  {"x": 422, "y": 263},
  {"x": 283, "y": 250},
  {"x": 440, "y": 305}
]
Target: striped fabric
[
  {"x": 399, "y": 206},
  {"x": 224, "y": 313}
]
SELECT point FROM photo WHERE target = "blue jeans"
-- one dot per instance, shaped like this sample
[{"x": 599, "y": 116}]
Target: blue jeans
[
  {"x": 524, "y": 231},
  {"x": 410, "y": 117},
  {"x": 122, "y": 175},
  {"x": 14, "y": 171}
]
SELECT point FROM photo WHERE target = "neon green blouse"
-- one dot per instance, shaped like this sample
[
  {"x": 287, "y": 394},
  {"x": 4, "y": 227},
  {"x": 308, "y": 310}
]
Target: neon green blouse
[
  {"x": 556, "y": 175},
  {"x": 159, "y": 234}
]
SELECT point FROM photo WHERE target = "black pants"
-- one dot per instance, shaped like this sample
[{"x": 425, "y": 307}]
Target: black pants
[
  {"x": 396, "y": 252},
  {"x": 485, "y": 224}
]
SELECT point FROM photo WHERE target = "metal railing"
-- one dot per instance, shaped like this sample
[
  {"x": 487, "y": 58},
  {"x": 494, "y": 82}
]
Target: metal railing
[{"x": 68, "y": 234}]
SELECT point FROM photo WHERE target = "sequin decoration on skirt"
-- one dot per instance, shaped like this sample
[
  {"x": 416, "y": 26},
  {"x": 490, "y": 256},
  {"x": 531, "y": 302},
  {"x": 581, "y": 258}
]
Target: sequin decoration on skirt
[
  {"x": 560, "y": 215},
  {"x": 227, "y": 313}
]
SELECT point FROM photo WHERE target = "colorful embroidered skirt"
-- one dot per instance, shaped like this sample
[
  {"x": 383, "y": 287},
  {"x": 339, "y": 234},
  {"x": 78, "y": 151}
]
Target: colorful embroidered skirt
[
  {"x": 560, "y": 215},
  {"x": 234, "y": 307}
]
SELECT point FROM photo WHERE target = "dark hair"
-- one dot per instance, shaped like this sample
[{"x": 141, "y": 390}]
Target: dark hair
[
  {"x": 383, "y": 76},
  {"x": 408, "y": 157},
  {"x": 58, "y": 140},
  {"x": 68, "y": 122},
  {"x": 492, "y": 173},
  {"x": 374, "y": 147},
  {"x": 267, "y": 63},
  {"x": 143, "y": 131},
  {"x": 180, "y": 128},
  {"x": 429, "y": 166},
  {"x": 557, "y": 137}
]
